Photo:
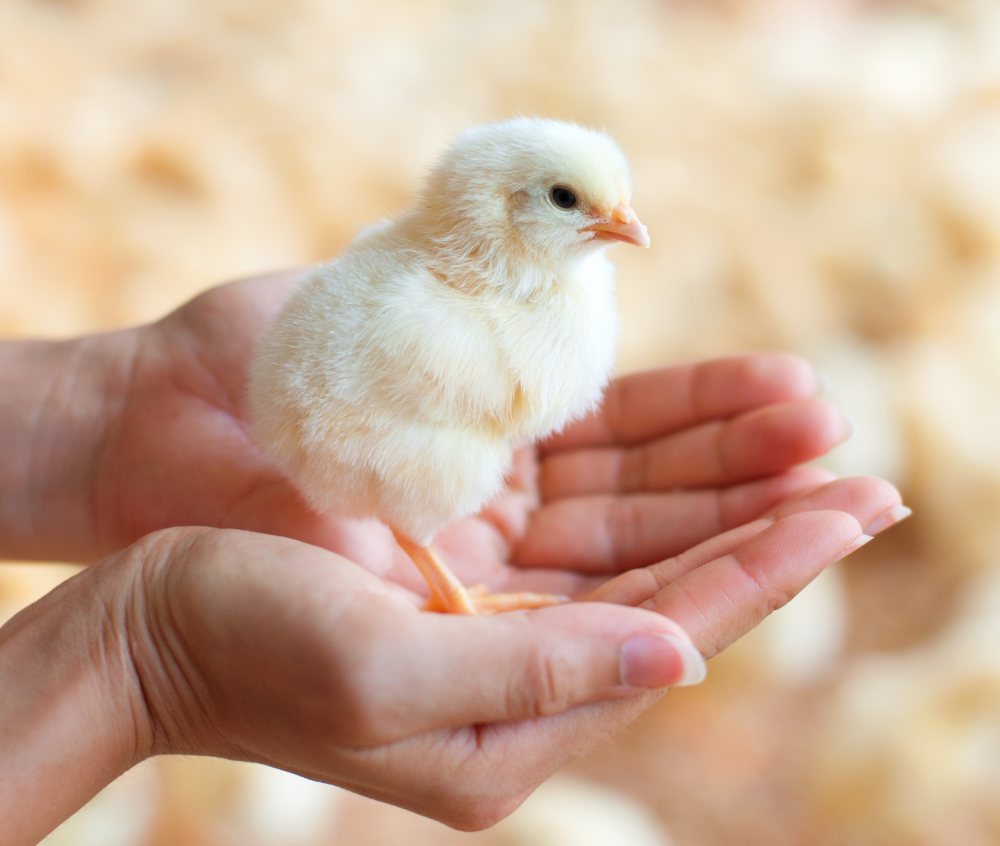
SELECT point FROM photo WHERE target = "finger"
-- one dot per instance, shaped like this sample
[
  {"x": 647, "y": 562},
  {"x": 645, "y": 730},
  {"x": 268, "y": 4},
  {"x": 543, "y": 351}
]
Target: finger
[
  {"x": 863, "y": 497},
  {"x": 448, "y": 670},
  {"x": 758, "y": 443},
  {"x": 643, "y": 406},
  {"x": 611, "y": 534},
  {"x": 867, "y": 500},
  {"x": 722, "y": 600},
  {"x": 866, "y": 497}
]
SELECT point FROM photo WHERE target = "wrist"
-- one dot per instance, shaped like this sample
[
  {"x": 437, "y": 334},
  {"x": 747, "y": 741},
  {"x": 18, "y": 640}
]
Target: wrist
[
  {"x": 58, "y": 401},
  {"x": 72, "y": 714}
]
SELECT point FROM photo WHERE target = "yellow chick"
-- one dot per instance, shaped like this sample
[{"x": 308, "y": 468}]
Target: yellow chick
[{"x": 398, "y": 380}]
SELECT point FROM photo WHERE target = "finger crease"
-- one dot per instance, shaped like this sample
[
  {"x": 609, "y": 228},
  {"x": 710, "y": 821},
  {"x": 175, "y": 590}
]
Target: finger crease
[
  {"x": 720, "y": 453},
  {"x": 719, "y": 512},
  {"x": 658, "y": 572},
  {"x": 761, "y": 590},
  {"x": 633, "y": 472},
  {"x": 613, "y": 405},
  {"x": 694, "y": 406},
  {"x": 623, "y": 527}
]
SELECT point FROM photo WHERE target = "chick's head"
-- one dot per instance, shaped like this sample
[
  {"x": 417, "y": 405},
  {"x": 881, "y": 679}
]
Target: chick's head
[{"x": 539, "y": 190}]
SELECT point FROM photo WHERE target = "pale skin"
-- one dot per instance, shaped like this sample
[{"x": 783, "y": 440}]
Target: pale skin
[{"x": 680, "y": 505}]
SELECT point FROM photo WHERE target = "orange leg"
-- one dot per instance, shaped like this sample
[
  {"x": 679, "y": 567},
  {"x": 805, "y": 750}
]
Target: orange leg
[
  {"x": 449, "y": 596},
  {"x": 493, "y": 603}
]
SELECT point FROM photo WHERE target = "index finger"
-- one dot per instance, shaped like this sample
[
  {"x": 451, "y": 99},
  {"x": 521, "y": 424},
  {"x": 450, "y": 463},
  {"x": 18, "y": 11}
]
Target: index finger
[{"x": 647, "y": 405}]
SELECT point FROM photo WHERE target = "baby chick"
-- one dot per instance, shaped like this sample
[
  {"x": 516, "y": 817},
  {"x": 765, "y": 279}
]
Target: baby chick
[{"x": 400, "y": 377}]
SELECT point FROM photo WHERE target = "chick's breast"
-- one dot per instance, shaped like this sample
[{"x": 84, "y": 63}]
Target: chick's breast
[{"x": 558, "y": 347}]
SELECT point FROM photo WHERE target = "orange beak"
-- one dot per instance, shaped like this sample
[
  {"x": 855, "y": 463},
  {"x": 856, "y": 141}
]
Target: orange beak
[{"x": 623, "y": 225}]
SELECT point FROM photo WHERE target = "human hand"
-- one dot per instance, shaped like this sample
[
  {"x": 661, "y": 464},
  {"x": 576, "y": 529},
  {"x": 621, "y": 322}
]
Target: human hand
[{"x": 261, "y": 648}]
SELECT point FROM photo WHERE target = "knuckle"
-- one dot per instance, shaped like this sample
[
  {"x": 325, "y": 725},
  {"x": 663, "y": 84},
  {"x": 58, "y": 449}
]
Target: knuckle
[{"x": 549, "y": 685}]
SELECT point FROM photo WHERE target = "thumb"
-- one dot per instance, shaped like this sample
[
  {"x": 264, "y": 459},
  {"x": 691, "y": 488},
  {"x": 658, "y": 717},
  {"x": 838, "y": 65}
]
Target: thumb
[{"x": 522, "y": 665}]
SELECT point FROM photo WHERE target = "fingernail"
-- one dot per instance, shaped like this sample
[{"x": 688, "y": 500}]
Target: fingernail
[
  {"x": 849, "y": 427},
  {"x": 822, "y": 382},
  {"x": 860, "y": 542},
  {"x": 889, "y": 518},
  {"x": 660, "y": 660}
]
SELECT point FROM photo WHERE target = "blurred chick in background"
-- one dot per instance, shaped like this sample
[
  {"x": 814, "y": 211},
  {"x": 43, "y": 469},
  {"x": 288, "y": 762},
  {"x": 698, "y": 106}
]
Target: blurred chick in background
[{"x": 399, "y": 379}]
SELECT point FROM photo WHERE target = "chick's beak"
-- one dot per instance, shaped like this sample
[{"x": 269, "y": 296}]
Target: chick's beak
[{"x": 623, "y": 225}]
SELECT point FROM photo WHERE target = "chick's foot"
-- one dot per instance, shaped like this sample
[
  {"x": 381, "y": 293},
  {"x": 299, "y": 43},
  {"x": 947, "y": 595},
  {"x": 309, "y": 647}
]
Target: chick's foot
[{"x": 449, "y": 596}]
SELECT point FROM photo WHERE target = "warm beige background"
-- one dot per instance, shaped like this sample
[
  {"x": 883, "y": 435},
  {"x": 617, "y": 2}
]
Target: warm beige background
[{"x": 816, "y": 176}]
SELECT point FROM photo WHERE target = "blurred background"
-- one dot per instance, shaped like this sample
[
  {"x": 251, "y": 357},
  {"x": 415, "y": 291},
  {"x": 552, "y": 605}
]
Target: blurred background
[{"x": 818, "y": 176}]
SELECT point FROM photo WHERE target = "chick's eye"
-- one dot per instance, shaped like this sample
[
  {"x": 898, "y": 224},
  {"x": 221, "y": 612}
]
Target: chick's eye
[{"x": 563, "y": 197}]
